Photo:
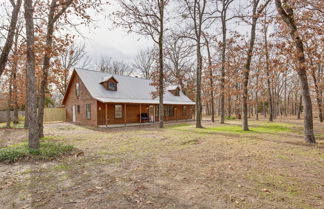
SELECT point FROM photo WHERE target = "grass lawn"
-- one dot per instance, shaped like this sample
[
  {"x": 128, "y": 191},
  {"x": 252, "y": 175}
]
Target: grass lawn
[{"x": 180, "y": 166}]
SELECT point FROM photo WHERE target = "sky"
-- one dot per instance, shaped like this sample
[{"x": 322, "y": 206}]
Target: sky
[{"x": 103, "y": 40}]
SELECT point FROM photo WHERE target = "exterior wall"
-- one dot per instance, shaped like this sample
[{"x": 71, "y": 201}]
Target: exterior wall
[
  {"x": 133, "y": 111},
  {"x": 84, "y": 98},
  {"x": 178, "y": 113}
]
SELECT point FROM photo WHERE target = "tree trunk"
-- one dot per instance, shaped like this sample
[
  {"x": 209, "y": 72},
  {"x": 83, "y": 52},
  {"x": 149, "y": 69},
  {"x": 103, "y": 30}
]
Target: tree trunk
[
  {"x": 161, "y": 67},
  {"x": 300, "y": 107},
  {"x": 229, "y": 106},
  {"x": 287, "y": 15},
  {"x": 256, "y": 106},
  {"x": 9, "y": 103},
  {"x": 246, "y": 74},
  {"x": 211, "y": 82},
  {"x": 10, "y": 36},
  {"x": 222, "y": 80},
  {"x": 26, "y": 122},
  {"x": 318, "y": 97},
  {"x": 198, "y": 93},
  {"x": 33, "y": 137},
  {"x": 14, "y": 81}
]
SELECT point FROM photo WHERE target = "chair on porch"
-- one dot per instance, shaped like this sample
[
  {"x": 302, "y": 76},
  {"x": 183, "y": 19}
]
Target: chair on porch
[{"x": 144, "y": 117}]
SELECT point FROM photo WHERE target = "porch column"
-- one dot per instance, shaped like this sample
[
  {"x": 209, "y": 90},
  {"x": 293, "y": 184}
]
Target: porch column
[
  {"x": 106, "y": 115},
  {"x": 125, "y": 114},
  {"x": 140, "y": 113}
]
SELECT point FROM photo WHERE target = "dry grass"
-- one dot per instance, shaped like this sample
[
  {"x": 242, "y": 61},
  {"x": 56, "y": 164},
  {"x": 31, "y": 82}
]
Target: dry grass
[{"x": 177, "y": 167}]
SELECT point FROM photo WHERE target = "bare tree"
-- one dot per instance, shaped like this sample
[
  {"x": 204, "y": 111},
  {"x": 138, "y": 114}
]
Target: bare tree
[
  {"x": 108, "y": 65},
  {"x": 179, "y": 62},
  {"x": 266, "y": 48},
  {"x": 196, "y": 11},
  {"x": 287, "y": 14},
  {"x": 73, "y": 57},
  {"x": 223, "y": 10},
  {"x": 143, "y": 63},
  {"x": 10, "y": 36},
  {"x": 56, "y": 10},
  {"x": 211, "y": 78},
  {"x": 146, "y": 17},
  {"x": 256, "y": 13}
]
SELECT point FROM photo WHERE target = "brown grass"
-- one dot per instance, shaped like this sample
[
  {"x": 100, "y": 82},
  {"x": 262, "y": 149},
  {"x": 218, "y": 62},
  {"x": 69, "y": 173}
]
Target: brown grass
[{"x": 177, "y": 167}]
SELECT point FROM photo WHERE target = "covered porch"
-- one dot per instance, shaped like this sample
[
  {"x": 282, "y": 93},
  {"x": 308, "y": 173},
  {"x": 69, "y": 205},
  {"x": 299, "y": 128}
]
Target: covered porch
[{"x": 130, "y": 114}]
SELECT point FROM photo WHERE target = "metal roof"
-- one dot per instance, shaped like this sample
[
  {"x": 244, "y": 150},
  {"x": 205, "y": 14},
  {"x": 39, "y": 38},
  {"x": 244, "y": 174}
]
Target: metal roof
[{"x": 129, "y": 90}]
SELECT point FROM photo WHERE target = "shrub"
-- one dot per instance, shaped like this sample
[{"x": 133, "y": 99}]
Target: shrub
[
  {"x": 230, "y": 118},
  {"x": 47, "y": 150}
]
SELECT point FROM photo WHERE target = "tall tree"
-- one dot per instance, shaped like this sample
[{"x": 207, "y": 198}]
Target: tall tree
[
  {"x": 256, "y": 13},
  {"x": 33, "y": 134},
  {"x": 147, "y": 17},
  {"x": 223, "y": 9},
  {"x": 178, "y": 60},
  {"x": 56, "y": 10},
  {"x": 10, "y": 36},
  {"x": 286, "y": 12},
  {"x": 211, "y": 78},
  {"x": 143, "y": 63},
  {"x": 196, "y": 12},
  {"x": 266, "y": 49}
]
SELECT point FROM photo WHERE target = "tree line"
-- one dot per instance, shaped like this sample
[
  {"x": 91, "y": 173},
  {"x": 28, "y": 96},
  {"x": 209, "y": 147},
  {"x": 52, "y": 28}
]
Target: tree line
[{"x": 234, "y": 58}]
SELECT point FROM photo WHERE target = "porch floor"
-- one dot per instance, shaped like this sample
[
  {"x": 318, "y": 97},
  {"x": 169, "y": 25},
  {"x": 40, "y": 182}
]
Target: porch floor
[{"x": 141, "y": 124}]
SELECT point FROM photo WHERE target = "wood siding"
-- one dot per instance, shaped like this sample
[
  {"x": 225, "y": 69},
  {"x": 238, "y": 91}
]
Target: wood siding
[{"x": 133, "y": 111}]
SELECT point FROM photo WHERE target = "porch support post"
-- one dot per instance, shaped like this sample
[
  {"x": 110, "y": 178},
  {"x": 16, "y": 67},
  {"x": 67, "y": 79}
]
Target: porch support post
[
  {"x": 140, "y": 115},
  {"x": 154, "y": 113},
  {"x": 106, "y": 115},
  {"x": 125, "y": 114}
]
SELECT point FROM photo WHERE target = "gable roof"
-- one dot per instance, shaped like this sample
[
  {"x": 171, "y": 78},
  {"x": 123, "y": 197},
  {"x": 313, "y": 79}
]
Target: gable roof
[{"x": 130, "y": 89}]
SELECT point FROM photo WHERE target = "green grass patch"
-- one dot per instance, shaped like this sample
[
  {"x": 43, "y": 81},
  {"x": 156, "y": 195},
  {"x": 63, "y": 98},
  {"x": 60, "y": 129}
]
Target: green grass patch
[
  {"x": 62, "y": 167},
  {"x": 181, "y": 125},
  {"x": 269, "y": 128},
  {"x": 230, "y": 118},
  {"x": 12, "y": 125},
  {"x": 19, "y": 151}
]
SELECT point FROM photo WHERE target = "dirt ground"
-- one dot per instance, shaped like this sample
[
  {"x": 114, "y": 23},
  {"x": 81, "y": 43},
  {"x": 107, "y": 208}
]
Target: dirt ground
[{"x": 176, "y": 167}]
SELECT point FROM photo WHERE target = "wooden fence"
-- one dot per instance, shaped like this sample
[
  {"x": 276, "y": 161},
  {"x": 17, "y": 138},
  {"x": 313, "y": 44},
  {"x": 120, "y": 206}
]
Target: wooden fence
[{"x": 54, "y": 114}]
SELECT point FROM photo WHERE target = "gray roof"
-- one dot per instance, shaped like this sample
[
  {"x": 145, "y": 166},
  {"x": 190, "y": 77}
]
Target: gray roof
[{"x": 129, "y": 90}]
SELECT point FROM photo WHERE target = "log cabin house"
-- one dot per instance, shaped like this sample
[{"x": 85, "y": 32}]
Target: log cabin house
[{"x": 100, "y": 99}]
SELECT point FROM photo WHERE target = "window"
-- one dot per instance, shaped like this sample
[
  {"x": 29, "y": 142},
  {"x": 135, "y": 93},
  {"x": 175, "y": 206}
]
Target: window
[
  {"x": 88, "y": 111},
  {"x": 77, "y": 89},
  {"x": 118, "y": 111},
  {"x": 112, "y": 86},
  {"x": 177, "y": 92},
  {"x": 78, "y": 108},
  {"x": 170, "y": 110},
  {"x": 184, "y": 110}
]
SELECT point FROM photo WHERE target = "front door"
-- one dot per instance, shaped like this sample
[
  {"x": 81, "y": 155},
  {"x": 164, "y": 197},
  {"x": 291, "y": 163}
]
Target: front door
[{"x": 74, "y": 114}]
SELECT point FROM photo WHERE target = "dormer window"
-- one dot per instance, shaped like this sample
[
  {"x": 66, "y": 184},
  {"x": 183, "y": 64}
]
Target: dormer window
[
  {"x": 112, "y": 86},
  {"x": 110, "y": 83},
  {"x": 175, "y": 91}
]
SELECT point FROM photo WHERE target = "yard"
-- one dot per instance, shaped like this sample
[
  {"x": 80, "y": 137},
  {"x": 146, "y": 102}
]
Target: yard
[{"x": 219, "y": 166}]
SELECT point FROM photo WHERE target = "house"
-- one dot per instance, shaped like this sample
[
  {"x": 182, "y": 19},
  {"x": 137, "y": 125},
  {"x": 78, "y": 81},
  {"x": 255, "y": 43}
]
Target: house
[{"x": 100, "y": 99}]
